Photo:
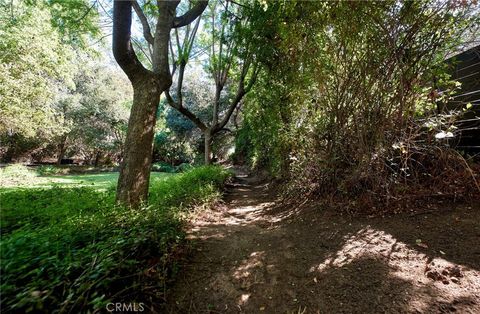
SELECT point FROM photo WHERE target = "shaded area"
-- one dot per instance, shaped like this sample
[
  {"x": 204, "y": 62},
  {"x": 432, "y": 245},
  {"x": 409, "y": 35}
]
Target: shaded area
[{"x": 252, "y": 255}]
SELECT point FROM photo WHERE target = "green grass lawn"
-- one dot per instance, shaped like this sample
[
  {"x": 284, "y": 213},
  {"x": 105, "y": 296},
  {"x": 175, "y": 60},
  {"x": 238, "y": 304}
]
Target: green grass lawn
[
  {"x": 16, "y": 176},
  {"x": 67, "y": 247},
  {"x": 98, "y": 180}
]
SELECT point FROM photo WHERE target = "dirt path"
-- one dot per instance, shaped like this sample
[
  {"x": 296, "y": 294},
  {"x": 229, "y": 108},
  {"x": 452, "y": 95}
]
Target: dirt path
[{"x": 250, "y": 257}]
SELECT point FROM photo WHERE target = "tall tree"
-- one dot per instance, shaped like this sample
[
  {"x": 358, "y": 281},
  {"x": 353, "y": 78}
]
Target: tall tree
[
  {"x": 147, "y": 85},
  {"x": 231, "y": 61},
  {"x": 31, "y": 73}
]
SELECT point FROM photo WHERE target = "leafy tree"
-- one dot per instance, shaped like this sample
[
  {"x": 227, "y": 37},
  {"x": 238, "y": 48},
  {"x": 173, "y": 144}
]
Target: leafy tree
[
  {"x": 343, "y": 83},
  {"x": 95, "y": 113},
  {"x": 76, "y": 20},
  {"x": 37, "y": 62},
  {"x": 231, "y": 63},
  {"x": 177, "y": 138},
  {"x": 31, "y": 71}
]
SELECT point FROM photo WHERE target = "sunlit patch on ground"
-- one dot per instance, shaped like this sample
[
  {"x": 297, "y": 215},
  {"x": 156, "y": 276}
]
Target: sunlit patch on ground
[
  {"x": 427, "y": 277},
  {"x": 245, "y": 269},
  {"x": 243, "y": 298}
]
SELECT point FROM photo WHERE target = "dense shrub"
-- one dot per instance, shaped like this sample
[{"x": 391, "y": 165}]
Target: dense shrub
[
  {"x": 183, "y": 167},
  {"x": 327, "y": 115},
  {"x": 168, "y": 168},
  {"x": 70, "y": 249},
  {"x": 163, "y": 167},
  {"x": 49, "y": 170}
]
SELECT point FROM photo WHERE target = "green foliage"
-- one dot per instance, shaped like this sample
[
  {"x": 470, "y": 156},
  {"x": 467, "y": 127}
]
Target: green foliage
[
  {"x": 72, "y": 249},
  {"x": 163, "y": 167},
  {"x": 344, "y": 80},
  {"x": 184, "y": 167},
  {"x": 177, "y": 139},
  {"x": 76, "y": 20},
  {"x": 48, "y": 170},
  {"x": 54, "y": 97},
  {"x": 30, "y": 71},
  {"x": 95, "y": 113},
  {"x": 189, "y": 187}
]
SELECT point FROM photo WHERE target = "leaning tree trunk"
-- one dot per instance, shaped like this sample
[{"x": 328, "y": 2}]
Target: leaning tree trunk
[
  {"x": 134, "y": 177},
  {"x": 208, "y": 147}
]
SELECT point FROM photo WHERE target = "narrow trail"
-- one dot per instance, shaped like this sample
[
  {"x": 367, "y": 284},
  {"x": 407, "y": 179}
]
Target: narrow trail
[{"x": 255, "y": 255}]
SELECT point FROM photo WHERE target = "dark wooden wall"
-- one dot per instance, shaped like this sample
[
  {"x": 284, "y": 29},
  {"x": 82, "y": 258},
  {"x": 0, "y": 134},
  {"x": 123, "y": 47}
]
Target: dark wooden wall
[{"x": 465, "y": 68}]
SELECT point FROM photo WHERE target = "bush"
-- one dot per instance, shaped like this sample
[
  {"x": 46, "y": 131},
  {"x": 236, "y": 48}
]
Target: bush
[
  {"x": 184, "y": 167},
  {"x": 73, "y": 249},
  {"x": 163, "y": 167},
  {"x": 48, "y": 170}
]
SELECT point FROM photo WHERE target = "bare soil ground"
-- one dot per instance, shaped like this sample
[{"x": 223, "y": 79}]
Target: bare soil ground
[{"x": 254, "y": 255}]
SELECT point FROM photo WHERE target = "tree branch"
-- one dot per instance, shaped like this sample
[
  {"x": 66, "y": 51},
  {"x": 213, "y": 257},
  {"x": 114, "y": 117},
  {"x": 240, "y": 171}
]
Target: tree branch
[
  {"x": 191, "y": 15},
  {"x": 184, "y": 111},
  {"x": 85, "y": 14},
  {"x": 172, "y": 54},
  {"x": 241, "y": 91},
  {"x": 137, "y": 44},
  {"x": 181, "y": 72},
  {"x": 256, "y": 70},
  {"x": 147, "y": 33},
  {"x": 121, "y": 43}
]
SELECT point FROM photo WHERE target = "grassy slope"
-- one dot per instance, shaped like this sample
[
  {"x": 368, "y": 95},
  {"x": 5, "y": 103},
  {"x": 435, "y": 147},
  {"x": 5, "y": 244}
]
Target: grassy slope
[{"x": 70, "y": 248}]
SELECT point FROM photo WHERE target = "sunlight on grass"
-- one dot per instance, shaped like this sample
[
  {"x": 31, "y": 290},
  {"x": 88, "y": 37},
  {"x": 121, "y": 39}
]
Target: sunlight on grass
[
  {"x": 99, "y": 181},
  {"x": 22, "y": 177}
]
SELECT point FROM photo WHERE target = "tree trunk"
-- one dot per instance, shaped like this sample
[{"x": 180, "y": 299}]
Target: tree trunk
[
  {"x": 98, "y": 155},
  {"x": 147, "y": 85},
  {"x": 10, "y": 151},
  {"x": 61, "y": 149},
  {"x": 132, "y": 188},
  {"x": 208, "y": 147}
]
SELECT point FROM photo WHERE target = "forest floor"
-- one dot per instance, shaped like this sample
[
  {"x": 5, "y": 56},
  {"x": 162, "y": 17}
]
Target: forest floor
[{"x": 257, "y": 255}]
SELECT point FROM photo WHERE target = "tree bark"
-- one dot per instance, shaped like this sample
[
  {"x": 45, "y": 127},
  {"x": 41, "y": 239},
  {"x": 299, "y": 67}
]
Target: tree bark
[
  {"x": 10, "y": 152},
  {"x": 132, "y": 188},
  {"x": 61, "y": 149},
  {"x": 98, "y": 155},
  {"x": 208, "y": 147}
]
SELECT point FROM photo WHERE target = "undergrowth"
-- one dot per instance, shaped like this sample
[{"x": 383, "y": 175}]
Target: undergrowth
[
  {"x": 412, "y": 169},
  {"x": 72, "y": 249}
]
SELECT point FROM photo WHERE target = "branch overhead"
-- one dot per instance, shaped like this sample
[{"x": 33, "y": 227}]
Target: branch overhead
[
  {"x": 121, "y": 43},
  {"x": 147, "y": 33},
  {"x": 191, "y": 15},
  {"x": 187, "y": 113},
  {"x": 241, "y": 91}
]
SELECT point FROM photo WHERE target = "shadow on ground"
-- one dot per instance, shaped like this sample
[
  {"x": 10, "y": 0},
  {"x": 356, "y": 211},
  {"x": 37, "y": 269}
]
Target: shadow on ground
[{"x": 252, "y": 256}]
